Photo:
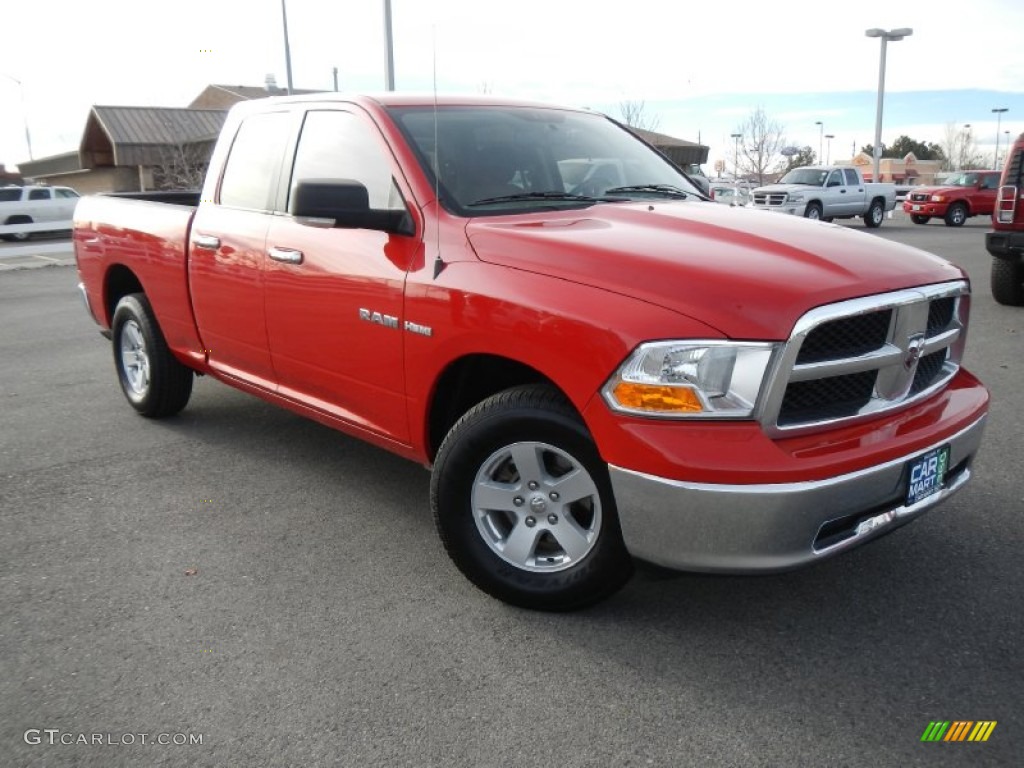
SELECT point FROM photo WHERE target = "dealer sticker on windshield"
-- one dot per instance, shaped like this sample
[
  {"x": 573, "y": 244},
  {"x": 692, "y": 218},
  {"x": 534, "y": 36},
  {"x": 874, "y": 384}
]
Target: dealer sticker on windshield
[{"x": 927, "y": 474}]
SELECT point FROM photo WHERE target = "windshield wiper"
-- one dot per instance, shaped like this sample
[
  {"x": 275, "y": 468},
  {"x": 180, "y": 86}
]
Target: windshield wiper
[
  {"x": 535, "y": 196},
  {"x": 664, "y": 189}
]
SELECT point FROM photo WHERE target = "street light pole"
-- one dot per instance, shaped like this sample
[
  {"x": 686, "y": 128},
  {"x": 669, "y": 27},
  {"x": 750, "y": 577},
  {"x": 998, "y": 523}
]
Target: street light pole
[
  {"x": 965, "y": 141},
  {"x": 389, "y": 49},
  {"x": 886, "y": 36},
  {"x": 821, "y": 134},
  {"x": 736, "y": 156},
  {"x": 24, "y": 115},
  {"x": 828, "y": 153},
  {"x": 999, "y": 115}
]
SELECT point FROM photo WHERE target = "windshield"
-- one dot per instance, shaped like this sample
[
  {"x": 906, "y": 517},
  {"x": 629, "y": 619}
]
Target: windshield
[
  {"x": 516, "y": 159},
  {"x": 962, "y": 180},
  {"x": 813, "y": 176}
]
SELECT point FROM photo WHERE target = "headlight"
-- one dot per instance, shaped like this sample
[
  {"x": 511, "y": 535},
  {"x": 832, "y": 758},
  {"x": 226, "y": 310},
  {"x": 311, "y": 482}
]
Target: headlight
[
  {"x": 937, "y": 198},
  {"x": 795, "y": 197},
  {"x": 690, "y": 379}
]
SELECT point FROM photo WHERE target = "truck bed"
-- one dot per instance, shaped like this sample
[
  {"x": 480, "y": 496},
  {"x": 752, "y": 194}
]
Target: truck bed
[{"x": 153, "y": 240}]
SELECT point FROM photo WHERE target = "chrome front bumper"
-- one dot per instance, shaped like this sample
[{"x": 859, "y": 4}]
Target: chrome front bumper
[{"x": 774, "y": 527}]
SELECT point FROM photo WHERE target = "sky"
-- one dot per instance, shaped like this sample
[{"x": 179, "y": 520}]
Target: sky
[{"x": 699, "y": 68}]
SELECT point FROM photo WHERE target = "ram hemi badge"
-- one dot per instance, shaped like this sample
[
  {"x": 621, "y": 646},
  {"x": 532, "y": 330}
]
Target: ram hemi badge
[{"x": 388, "y": 321}]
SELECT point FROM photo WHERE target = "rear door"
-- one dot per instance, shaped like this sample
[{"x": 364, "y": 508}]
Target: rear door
[
  {"x": 334, "y": 297},
  {"x": 227, "y": 250},
  {"x": 39, "y": 205},
  {"x": 856, "y": 195}
]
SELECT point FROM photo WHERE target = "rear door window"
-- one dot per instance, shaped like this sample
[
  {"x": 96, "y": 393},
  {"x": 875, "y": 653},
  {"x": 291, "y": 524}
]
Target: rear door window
[{"x": 254, "y": 163}]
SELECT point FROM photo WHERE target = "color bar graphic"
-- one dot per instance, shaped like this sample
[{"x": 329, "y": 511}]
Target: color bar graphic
[{"x": 959, "y": 730}]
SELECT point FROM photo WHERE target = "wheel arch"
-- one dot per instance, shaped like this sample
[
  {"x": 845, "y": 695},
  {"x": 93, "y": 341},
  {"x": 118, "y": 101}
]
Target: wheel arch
[
  {"x": 469, "y": 380},
  {"x": 118, "y": 282}
]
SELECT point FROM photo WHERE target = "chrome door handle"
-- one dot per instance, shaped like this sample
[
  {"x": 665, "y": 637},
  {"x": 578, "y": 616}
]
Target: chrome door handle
[
  {"x": 208, "y": 242},
  {"x": 287, "y": 255}
]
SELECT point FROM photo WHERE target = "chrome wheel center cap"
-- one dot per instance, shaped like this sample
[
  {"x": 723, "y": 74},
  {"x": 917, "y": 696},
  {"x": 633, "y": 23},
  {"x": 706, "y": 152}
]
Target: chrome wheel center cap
[{"x": 538, "y": 505}]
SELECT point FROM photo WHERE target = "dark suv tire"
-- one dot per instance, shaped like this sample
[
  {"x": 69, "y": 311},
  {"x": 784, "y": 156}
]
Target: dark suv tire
[{"x": 1008, "y": 282}]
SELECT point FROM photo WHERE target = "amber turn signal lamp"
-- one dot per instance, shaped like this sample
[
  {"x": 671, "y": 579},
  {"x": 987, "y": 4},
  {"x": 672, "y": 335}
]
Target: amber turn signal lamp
[{"x": 655, "y": 398}]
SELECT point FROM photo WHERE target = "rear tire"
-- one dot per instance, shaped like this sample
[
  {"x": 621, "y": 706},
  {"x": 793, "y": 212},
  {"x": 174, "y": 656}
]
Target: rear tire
[
  {"x": 918, "y": 219},
  {"x": 152, "y": 379},
  {"x": 1008, "y": 282},
  {"x": 875, "y": 215},
  {"x": 524, "y": 505},
  {"x": 956, "y": 215}
]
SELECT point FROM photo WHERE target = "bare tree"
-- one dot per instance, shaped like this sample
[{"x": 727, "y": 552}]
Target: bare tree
[
  {"x": 634, "y": 114},
  {"x": 182, "y": 165},
  {"x": 960, "y": 149},
  {"x": 761, "y": 144}
]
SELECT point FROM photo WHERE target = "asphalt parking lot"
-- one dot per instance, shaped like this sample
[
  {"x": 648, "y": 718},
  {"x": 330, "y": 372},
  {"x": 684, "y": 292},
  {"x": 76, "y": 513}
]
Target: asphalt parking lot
[{"x": 250, "y": 578}]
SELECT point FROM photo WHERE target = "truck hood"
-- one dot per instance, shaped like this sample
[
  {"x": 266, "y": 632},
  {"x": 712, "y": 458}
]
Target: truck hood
[
  {"x": 942, "y": 190},
  {"x": 786, "y": 188},
  {"x": 748, "y": 273}
]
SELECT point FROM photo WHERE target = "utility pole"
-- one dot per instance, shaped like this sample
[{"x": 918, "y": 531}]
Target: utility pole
[{"x": 24, "y": 113}]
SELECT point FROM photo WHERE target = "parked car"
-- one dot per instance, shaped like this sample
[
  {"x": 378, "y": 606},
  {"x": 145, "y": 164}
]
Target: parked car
[
  {"x": 1006, "y": 241},
  {"x": 827, "y": 192},
  {"x": 24, "y": 210},
  {"x": 963, "y": 195},
  {"x": 730, "y": 192},
  {"x": 590, "y": 376}
]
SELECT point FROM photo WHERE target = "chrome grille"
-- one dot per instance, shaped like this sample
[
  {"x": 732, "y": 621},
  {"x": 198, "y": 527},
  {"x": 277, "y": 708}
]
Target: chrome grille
[
  {"x": 919, "y": 197},
  {"x": 772, "y": 198},
  {"x": 849, "y": 361}
]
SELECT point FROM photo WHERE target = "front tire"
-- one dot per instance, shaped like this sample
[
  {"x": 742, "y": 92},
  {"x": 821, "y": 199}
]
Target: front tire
[
  {"x": 956, "y": 215},
  {"x": 875, "y": 215},
  {"x": 919, "y": 219},
  {"x": 813, "y": 211},
  {"x": 18, "y": 237},
  {"x": 152, "y": 379},
  {"x": 1008, "y": 282},
  {"x": 524, "y": 506}
]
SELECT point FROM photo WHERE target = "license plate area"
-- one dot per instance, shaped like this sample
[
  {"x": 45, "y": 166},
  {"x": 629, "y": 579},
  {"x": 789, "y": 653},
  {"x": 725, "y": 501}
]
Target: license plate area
[
  {"x": 926, "y": 474},
  {"x": 915, "y": 207}
]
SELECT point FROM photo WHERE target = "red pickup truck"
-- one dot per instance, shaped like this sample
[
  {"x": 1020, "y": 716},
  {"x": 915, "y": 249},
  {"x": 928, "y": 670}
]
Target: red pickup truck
[
  {"x": 965, "y": 194},
  {"x": 596, "y": 362}
]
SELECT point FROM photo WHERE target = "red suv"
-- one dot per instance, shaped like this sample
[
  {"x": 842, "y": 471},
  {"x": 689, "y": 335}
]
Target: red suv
[
  {"x": 1006, "y": 243},
  {"x": 966, "y": 194}
]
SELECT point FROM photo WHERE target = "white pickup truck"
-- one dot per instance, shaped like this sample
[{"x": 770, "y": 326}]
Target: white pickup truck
[
  {"x": 24, "y": 210},
  {"x": 827, "y": 192}
]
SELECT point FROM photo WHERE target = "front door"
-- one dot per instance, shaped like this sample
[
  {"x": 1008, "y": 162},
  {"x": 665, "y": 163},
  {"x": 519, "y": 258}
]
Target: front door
[{"x": 334, "y": 297}]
